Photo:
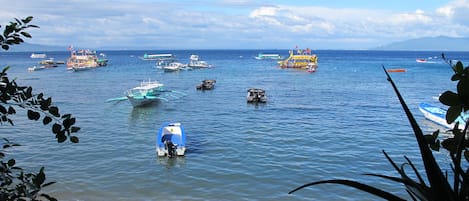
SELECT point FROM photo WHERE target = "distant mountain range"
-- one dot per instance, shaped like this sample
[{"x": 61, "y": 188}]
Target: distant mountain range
[
  {"x": 440, "y": 43},
  {"x": 28, "y": 47}
]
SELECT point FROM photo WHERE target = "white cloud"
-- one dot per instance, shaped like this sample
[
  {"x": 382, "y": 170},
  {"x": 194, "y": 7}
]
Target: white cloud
[{"x": 230, "y": 24}]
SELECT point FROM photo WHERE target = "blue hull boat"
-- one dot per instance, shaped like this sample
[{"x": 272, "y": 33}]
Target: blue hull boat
[
  {"x": 171, "y": 140},
  {"x": 438, "y": 115}
]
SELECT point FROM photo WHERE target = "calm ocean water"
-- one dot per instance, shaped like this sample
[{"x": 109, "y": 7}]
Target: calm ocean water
[{"x": 333, "y": 123}]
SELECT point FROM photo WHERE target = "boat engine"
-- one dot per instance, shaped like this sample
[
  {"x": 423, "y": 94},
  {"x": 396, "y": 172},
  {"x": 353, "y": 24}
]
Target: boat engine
[{"x": 171, "y": 148}]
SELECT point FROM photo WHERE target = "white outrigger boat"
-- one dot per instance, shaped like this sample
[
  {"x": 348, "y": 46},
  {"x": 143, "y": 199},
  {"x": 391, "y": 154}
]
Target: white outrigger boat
[
  {"x": 147, "y": 93},
  {"x": 171, "y": 140}
]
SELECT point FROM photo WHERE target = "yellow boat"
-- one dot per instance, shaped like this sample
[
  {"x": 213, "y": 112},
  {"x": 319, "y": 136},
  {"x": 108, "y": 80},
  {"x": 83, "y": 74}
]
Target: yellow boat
[{"x": 303, "y": 60}]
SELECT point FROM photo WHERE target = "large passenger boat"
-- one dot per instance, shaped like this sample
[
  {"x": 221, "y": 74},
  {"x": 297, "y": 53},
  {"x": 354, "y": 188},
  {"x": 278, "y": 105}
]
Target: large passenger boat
[
  {"x": 85, "y": 59},
  {"x": 302, "y": 59}
]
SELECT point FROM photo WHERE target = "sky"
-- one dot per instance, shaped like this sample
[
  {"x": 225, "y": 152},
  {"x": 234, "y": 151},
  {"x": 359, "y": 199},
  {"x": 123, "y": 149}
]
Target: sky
[{"x": 237, "y": 24}]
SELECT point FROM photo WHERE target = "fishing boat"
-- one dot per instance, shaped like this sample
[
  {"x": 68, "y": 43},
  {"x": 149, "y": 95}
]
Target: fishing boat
[
  {"x": 256, "y": 96},
  {"x": 262, "y": 56},
  {"x": 438, "y": 115},
  {"x": 195, "y": 62},
  {"x": 38, "y": 56},
  {"x": 301, "y": 60},
  {"x": 206, "y": 84},
  {"x": 147, "y": 93},
  {"x": 85, "y": 59},
  {"x": 171, "y": 140}
]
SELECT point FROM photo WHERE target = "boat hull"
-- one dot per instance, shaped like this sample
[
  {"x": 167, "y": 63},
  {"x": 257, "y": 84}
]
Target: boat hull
[
  {"x": 138, "y": 101},
  {"x": 438, "y": 116}
]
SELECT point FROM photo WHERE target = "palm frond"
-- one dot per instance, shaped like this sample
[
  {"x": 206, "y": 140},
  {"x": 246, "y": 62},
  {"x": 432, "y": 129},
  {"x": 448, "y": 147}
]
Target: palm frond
[{"x": 363, "y": 187}]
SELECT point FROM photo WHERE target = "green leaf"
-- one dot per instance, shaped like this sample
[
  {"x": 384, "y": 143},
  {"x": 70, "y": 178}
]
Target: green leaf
[
  {"x": 466, "y": 155},
  {"x": 75, "y": 129},
  {"x": 357, "y": 185},
  {"x": 26, "y": 34},
  {"x": 74, "y": 139},
  {"x": 11, "y": 162},
  {"x": 32, "y": 115},
  {"x": 46, "y": 120},
  {"x": 68, "y": 122},
  {"x": 3, "y": 110},
  {"x": 456, "y": 77},
  {"x": 453, "y": 113},
  {"x": 61, "y": 137},
  {"x": 54, "y": 111},
  {"x": 56, "y": 128},
  {"x": 463, "y": 89},
  {"x": 458, "y": 68},
  {"x": 40, "y": 178},
  {"x": 449, "y": 98},
  {"x": 11, "y": 110}
]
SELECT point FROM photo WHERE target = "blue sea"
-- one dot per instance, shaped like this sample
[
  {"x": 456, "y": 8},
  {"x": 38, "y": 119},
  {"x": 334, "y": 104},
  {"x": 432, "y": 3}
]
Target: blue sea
[{"x": 330, "y": 124}]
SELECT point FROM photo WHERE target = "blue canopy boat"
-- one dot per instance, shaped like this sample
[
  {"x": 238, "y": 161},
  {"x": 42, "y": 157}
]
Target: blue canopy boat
[
  {"x": 438, "y": 115},
  {"x": 171, "y": 140}
]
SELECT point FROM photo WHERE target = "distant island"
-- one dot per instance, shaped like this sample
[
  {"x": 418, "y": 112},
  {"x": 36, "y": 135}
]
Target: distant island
[
  {"x": 29, "y": 47},
  {"x": 440, "y": 43}
]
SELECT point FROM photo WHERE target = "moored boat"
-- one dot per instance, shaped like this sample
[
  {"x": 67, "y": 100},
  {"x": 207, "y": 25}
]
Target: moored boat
[
  {"x": 148, "y": 92},
  {"x": 158, "y": 57},
  {"x": 85, "y": 59},
  {"x": 262, "y": 56},
  {"x": 206, "y": 84},
  {"x": 301, "y": 60},
  {"x": 256, "y": 96},
  {"x": 438, "y": 116},
  {"x": 173, "y": 66},
  {"x": 38, "y": 56},
  {"x": 171, "y": 140},
  {"x": 195, "y": 62}
]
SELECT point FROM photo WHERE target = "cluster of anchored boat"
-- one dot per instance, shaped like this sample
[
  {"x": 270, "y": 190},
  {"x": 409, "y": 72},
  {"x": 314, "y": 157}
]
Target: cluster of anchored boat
[
  {"x": 171, "y": 138},
  {"x": 168, "y": 62}
]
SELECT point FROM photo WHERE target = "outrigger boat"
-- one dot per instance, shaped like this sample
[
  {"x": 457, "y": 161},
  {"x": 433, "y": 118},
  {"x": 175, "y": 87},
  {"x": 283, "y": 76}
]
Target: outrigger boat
[
  {"x": 438, "y": 116},
  {"x": 171, "y": 140},
  {"x": 302, "y": 60},
  {"x": 147, "y": 93}
]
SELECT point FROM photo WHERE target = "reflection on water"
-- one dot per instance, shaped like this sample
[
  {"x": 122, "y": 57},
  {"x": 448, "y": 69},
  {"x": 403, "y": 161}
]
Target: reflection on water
[
  {"x": 144, "y": 113},
  {"x": 175, "y": 162}
]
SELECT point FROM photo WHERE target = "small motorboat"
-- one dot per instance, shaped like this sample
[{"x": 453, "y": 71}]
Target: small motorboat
[
  {"x": 171, "y": 140},
  {"x": 438, "y": 116},
  {"x": 256, "y": 96},
  {"x": 206, "y": 85}
]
